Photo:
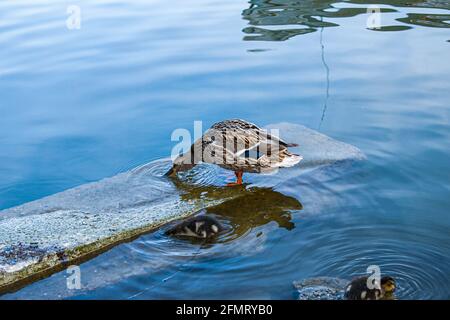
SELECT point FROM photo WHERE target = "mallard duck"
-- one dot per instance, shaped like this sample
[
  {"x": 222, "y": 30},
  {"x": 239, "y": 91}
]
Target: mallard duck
[
  {"x": 240, "y": 146},
  {"x": 357, "y": 289},
  {"x": 201, "y": 226}
]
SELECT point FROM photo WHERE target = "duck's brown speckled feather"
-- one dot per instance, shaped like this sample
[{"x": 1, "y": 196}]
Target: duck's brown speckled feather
[{"x": 228, "y": 144}]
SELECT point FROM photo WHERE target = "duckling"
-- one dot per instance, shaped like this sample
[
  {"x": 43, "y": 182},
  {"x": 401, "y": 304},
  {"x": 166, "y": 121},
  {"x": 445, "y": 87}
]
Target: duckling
[
  {"x": 201, "y": 226},
  {"x": 357, "y": 289},
  {"x": 239, "y": 146}
]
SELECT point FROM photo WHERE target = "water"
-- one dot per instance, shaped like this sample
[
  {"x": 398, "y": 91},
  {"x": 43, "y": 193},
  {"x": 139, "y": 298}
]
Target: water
[{"x": 81, "y": 105}]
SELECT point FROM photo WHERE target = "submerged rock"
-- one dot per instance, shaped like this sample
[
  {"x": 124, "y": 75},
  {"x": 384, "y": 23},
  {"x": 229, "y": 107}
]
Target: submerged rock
[{"x": 321, "y": 288}]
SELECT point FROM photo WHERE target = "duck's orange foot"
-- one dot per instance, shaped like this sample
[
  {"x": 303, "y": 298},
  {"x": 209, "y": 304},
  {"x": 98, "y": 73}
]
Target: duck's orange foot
[
  {"x": 233, "y": 184},
  {"x": 239, "y": 175}
]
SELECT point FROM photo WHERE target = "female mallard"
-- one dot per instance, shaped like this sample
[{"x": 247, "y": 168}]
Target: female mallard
[{"x": 240, "y": 146}]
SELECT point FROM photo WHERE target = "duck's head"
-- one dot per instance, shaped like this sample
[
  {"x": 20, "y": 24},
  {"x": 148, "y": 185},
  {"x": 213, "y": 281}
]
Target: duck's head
[
  {"x": 181, "y": 163},
  {"x": 388, "y": 285}
]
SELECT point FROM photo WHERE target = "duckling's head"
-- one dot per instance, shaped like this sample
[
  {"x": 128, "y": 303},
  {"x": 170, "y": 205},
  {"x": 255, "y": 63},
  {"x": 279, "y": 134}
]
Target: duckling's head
[
  {"x": 388, "y": 285},
  {"x": 202, "y": 226}
]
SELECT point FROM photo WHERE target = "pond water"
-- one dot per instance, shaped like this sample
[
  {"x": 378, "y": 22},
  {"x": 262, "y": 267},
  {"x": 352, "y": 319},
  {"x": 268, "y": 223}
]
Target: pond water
[{"x": 82, "y": 104}]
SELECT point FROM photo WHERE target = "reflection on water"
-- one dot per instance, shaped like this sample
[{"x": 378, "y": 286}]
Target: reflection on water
[
  {"x": 254, "y": 208},
  {"x": 257, "y": 207},
  {"x": 279, "y": 20},
  {"x": 327, "y": 69}
]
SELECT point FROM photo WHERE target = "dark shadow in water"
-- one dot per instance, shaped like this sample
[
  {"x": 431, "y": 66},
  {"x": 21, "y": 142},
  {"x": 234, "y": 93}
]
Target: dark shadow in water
[
  {"x": 309, "y": 14},
  {"x": 245, "y": 208}
]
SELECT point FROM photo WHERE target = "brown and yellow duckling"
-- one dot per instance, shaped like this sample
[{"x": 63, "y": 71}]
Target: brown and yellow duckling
[{"x": 357, "y": 289}]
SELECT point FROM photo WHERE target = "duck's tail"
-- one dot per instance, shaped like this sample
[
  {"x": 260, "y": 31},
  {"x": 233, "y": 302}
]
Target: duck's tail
[{"x": 291, "y": 160}]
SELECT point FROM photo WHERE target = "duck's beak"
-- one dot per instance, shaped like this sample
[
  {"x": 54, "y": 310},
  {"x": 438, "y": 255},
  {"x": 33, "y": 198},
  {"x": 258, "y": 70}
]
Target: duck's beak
[{"x": 170, "y": 173}]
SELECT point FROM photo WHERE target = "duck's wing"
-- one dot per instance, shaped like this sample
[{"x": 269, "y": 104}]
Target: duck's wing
[
  {"x": 230, "y": 143},
  {"x": 239, "y": 125},
  {"x": 249, "y": 148}
]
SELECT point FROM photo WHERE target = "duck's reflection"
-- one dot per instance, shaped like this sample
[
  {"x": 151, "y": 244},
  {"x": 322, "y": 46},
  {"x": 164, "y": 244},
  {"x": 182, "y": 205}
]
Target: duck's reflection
[
  {"x": 243, "y": 209},
  {"x": 257, "y": 207}
]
